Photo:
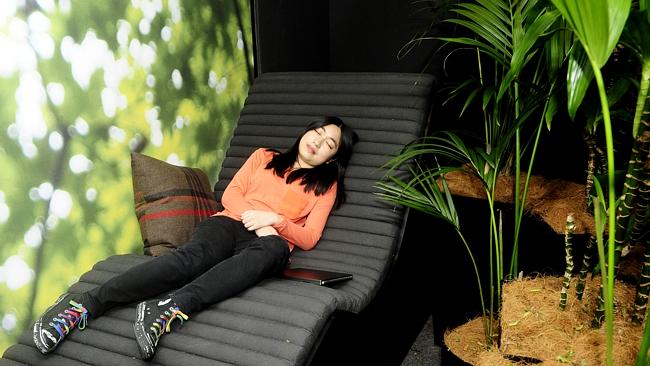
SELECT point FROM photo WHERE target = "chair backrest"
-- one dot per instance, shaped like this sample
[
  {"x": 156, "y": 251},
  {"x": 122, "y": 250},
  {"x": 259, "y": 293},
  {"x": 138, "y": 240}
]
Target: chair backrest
[{"x": 387, "y": 110}]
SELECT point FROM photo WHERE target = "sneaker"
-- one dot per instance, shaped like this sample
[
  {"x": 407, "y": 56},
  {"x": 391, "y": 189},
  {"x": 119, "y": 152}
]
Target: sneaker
[
  {"x": 153, "y": 319},
  {"x": 57, "y": 322}
]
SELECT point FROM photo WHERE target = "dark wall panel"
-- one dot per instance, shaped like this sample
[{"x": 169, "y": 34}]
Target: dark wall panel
[
  {"x": 291, "y": 35},
  {"x": 342, "y": 35},
  {"x": 366, "y": 35}
]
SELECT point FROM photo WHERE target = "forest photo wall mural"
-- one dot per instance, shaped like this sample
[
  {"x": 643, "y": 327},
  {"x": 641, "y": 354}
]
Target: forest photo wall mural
[{"x": 82, "y": 85}]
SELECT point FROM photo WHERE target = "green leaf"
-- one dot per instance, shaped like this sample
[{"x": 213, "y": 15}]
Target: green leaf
[
  {"x": 557, "y": 48},
  {"x": 587, "y": 19},
  {"x": 579, "y": 77},
  {"x": 618, "y": 90},
  {"x": 637, "y": 38},
  {"x": 488, "y": 95},
  {"x": 469, "y": 100},
  {"x": 551, "y": 110},
  {"x": 644, "y": 5}
]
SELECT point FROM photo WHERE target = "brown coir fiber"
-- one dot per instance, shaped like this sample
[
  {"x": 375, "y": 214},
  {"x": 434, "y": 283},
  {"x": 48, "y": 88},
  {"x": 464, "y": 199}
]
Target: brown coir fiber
[
  {"x": 533, "y": 326},
  {"x": 549, "y": 199},
  {"x": 467, "y": 341}
]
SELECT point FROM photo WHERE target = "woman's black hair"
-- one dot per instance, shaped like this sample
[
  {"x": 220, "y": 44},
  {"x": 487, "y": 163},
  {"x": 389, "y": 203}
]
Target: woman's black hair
[{"x": 319, "y": 178}]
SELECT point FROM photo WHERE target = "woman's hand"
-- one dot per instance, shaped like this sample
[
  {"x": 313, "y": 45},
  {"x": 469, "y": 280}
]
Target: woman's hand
[
  {"x": 254, "y": 219},
  {"x": 266, "y": 230}
]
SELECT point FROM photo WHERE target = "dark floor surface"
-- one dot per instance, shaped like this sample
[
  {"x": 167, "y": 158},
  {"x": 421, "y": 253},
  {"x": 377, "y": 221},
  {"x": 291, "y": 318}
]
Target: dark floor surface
[{"x": 423, "y": 351}]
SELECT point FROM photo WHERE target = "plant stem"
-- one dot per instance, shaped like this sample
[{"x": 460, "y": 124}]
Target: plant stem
[
  {"x": 514, "y": 261},
  {"x": 642, "y": 358},
  {"x": 524, "y": 196},
  {"x": 629, "y": 197},
  {"x": 643, "y": 199},
  {"x": 590, "y": 141},
  {"x": 641, "y": 215},
  {"x": 643, "y": 289},
  {"x": 640, "y": 228},
  {"x": 487, "y": 327},
  {"x": 514, "y": 265},
  {"x": 584, "y": 268},
  {"x": 611, "y": 222},
  {"x": 568, "y": 251},
  {"x": 496, "y": 266}
]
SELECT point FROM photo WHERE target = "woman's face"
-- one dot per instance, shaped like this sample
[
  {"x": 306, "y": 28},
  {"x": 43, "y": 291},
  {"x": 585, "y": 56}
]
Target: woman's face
[{"x": 318, "y": 146}]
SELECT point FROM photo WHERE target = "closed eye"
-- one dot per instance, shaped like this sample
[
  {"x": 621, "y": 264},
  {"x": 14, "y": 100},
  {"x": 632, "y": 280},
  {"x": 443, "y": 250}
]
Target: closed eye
[{"x": 328, "y": 140}]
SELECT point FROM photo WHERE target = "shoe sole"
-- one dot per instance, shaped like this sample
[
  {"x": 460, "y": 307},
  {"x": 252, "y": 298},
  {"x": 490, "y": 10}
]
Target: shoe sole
[
  {"x": 144, "y": 345},
  {"x": 37, "y": 338},
  {"x": 38, "y": 326}
]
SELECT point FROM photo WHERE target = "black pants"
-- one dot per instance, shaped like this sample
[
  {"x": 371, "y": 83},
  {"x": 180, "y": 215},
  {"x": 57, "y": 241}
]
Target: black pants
[{"x": 221, "y": 259}]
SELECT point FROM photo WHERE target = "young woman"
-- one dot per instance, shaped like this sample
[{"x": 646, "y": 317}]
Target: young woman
[{"x": 274, "y": 202}]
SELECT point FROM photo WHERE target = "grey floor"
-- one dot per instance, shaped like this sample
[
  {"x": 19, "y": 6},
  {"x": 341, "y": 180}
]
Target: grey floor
[{"x": 423, "y": 351}]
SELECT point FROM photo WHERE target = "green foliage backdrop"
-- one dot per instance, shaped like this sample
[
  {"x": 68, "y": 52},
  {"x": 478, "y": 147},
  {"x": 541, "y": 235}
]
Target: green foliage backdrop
[{"x": 82, "y": 84}]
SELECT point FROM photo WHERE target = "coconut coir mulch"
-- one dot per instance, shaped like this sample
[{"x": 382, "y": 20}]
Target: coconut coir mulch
[
  {"x": 533, "y": 326},
  {"x": 549, "y": 199}
]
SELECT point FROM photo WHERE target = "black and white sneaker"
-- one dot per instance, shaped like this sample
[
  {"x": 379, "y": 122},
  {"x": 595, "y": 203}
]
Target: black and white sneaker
[
  {"x": 57, "y": 322},
  {"x": 153, "y": 319}
]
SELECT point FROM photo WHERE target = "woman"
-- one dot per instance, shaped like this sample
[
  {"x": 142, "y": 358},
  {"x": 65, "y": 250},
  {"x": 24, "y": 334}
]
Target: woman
[{"x": 275, "y": 201}]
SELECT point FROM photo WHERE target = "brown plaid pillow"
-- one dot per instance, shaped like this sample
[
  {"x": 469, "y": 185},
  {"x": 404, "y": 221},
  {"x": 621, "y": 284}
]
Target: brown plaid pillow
[{"x": 169, "y": 201}]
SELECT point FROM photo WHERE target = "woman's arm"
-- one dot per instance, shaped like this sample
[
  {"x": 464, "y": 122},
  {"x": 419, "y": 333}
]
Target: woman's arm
[{"x": 306, "y": 236}]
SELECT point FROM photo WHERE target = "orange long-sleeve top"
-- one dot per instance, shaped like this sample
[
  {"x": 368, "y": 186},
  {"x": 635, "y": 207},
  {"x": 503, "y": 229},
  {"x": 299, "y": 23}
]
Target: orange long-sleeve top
[{"x": 303, "y": 215}]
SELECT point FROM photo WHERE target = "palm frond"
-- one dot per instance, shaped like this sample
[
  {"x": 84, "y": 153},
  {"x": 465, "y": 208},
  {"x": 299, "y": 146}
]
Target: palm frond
[
  {"x": 492, "y": 29},
  {"x": 422, "y": 192},
  {"x": 522, "y": 52},
  {"x": 492, "y": 51}
]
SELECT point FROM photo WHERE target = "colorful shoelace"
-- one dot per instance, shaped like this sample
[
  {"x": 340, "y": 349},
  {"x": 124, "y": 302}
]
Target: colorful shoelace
[
  {"x": 163, "y": 324},
  {"x": 66, "y": 321}
]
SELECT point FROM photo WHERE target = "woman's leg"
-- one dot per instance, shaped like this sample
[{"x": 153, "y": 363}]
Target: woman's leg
[
  {"x": 253, "y": 261},
  {"x": 213, "y": 240}
]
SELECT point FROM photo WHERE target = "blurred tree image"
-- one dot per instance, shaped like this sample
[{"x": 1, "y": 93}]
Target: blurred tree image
[{"x": 82, "y": 85}]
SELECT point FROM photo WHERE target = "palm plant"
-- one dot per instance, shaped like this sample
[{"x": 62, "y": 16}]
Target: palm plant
[
  {"x": 515, "y": 85},
  {"x": 428, "y": 192}
]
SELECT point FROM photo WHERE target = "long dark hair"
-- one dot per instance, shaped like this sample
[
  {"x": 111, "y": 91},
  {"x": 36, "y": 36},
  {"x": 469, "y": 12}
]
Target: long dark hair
[{"x": 320, "y": 178}]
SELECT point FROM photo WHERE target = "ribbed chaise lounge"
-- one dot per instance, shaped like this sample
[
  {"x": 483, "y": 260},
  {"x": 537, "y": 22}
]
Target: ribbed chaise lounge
[{"x": 278, "y": 322}]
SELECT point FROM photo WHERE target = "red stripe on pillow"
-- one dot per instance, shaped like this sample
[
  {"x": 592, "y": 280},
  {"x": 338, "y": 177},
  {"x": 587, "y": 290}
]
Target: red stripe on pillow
[
  {"x": 172, "y": 213},
  {"x": 141, "y": 206}
]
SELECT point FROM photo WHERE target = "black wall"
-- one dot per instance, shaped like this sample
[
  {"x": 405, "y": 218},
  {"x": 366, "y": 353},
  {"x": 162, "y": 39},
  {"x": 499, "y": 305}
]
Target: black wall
[
  {"x": 290, "y": 35},
  {"x": 340, "y": 35},
  {"x": 367, "y": 35}
]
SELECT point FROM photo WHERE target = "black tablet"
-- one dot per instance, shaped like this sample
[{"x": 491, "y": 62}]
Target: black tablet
[{"x": 315, "y": 276}]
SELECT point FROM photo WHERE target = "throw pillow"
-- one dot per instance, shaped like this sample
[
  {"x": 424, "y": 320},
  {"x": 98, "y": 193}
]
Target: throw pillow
[{"x": 169, "y": 201}]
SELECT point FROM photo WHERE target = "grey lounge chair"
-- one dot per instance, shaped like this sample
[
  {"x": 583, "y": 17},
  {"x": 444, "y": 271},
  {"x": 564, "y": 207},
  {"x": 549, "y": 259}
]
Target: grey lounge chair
[{"x": 279, "y": 322}]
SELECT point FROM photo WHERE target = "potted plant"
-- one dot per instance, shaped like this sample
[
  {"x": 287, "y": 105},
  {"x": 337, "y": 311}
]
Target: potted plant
[
  {"x": 524, "y": 52},
  {"x": 515, "y": 87}
]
